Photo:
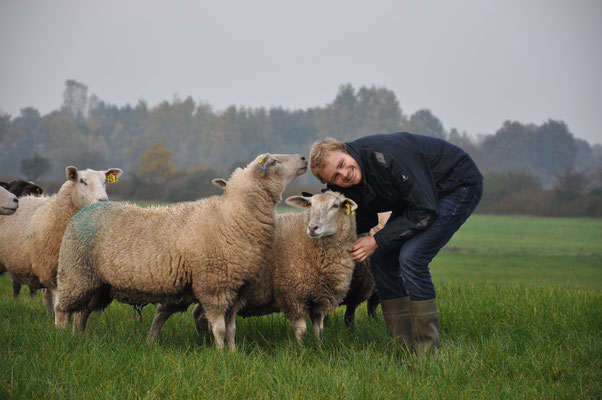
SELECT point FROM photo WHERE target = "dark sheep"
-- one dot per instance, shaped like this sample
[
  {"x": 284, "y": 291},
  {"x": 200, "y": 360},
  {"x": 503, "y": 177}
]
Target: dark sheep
[
  {"x": 362, "y": 288},
  {"x": 21, "y": 188}
]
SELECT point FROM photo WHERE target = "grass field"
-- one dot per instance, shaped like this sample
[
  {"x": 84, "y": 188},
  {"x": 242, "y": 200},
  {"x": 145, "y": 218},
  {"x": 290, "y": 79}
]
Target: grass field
[{"x": 521, "y": 317}]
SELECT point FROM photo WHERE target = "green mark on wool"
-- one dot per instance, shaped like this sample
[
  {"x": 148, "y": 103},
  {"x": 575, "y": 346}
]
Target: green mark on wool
[{"x": 85, "y": 223}]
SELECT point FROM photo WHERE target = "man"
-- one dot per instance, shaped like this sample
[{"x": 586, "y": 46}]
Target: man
[{"x": 431, "y": 187}]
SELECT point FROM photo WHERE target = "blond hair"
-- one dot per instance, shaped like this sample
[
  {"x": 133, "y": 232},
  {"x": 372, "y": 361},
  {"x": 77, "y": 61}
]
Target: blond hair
[{"x": 320, "y": 151}]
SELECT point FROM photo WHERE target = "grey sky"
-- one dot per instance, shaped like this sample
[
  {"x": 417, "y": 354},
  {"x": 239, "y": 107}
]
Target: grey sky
[{"x": 473, "y": 63}]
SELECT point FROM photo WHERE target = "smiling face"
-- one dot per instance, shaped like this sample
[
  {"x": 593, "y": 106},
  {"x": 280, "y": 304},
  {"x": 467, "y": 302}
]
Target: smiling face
[{"x": 341, "y": 169}]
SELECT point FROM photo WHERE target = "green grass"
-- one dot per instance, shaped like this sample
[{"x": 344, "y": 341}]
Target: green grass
[{"x": 520, "y": 319}]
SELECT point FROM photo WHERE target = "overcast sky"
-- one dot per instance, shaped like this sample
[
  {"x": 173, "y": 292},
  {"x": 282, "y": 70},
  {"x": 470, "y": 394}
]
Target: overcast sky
[{"x": 473, "y": 63}]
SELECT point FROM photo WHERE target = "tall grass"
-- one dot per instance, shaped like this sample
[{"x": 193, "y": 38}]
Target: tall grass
[{"x": 523, "y": 335}]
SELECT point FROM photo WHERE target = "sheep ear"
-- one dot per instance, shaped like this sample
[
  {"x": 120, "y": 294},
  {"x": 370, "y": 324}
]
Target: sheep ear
[
  {"x": 115, "y": 171},
  {"x": 112, "y": 174},
  {"x": 263, "y": 161},
  {"x": 39, "y": 190},
  {"x": 299, "y": 201},
  {"x": 349, "y": 205},
  {"x": 220, "y": 183},
  {"x": 4, "y": 185},
  {"x": 71, "y": 173}
]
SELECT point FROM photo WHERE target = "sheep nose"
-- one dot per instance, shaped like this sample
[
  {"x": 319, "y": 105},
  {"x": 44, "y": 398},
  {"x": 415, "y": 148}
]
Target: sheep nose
[
  {"x": 302, "y": 158},
  {"x": 16, "y": 200},
  {"x": 313, "y": 229},
  {"x": 103, "y": 199}
]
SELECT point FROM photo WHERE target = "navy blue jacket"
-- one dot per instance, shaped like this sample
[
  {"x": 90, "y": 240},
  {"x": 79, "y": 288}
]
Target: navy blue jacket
[{"x": 406, "y": 174}]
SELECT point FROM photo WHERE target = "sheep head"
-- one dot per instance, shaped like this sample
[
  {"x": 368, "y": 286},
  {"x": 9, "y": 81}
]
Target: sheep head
[
  {"x": 325, "y": 212},
  {"x": 89, "y": 186},
  {"x": 279, "y": 167},
  {"x": 8, "y": 202}
]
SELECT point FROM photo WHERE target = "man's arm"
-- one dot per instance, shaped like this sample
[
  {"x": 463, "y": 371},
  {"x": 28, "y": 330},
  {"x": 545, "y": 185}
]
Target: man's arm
[{"x": 419, "y": 196}]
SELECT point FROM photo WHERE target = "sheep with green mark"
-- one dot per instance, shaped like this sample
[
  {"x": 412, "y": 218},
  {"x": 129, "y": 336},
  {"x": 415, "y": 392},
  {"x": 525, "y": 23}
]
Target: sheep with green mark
[{"x": 30, "y": 240}]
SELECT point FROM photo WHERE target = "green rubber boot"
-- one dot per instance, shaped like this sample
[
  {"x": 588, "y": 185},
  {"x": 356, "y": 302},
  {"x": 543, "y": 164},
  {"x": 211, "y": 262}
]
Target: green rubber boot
[
  {"x": 425, "y": 326},
  {"x": 398, "y": 318}
]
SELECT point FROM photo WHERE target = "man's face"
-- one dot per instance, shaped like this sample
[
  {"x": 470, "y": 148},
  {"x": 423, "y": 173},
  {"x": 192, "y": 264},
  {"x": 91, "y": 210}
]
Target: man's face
[{"x": 341, "y": 169}]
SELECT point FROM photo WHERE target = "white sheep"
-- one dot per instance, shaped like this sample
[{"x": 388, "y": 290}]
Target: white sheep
[
  {"x": 8, "y": 202},
  {"x": 30, "y": 240},
  {"x": 308, "y": 269},
  {"x": 21, "y": 188},
  {"x": 8, "y": 206},
  {"x": 207, "y": 251}
]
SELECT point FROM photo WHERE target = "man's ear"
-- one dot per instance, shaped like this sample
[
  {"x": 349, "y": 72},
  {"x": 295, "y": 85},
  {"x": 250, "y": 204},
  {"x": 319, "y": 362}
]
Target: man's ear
[
  {"x": 71, "y": 173},
  {"x": 299, "y": 201},
  {"x": 220, "y": 183}
]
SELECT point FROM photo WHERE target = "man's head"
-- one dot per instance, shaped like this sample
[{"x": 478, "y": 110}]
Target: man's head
[{"x": 330, "y": 162}]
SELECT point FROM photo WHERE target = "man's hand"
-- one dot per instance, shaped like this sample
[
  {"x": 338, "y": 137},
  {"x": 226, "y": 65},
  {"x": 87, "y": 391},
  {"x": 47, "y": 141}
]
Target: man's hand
[{"x": 363, "y": 248}]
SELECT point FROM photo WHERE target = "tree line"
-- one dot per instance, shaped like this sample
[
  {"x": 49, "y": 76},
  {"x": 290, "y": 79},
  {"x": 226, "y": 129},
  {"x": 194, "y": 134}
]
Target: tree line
[{"x": 182, "y": 143}]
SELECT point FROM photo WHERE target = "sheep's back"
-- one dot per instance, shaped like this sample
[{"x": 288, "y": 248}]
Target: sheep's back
[{"x": 146, "y": 249}]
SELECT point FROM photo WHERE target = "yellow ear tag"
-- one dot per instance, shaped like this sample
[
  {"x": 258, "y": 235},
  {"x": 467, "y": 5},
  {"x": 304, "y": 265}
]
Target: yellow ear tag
[
  {"x": 111, "y": 178},
  {"x": 349, "y": 211},
  {"x": 261, "y": 163}
]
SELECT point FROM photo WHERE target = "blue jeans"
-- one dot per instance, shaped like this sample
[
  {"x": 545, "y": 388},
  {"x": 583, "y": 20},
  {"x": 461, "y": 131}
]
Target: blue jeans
[{"x": 405, "y": 271}]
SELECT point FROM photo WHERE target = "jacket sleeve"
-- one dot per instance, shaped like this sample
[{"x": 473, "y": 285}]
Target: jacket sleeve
[
  {"x": 365, "y": 220},
  {"x": 419, "y": 206}
]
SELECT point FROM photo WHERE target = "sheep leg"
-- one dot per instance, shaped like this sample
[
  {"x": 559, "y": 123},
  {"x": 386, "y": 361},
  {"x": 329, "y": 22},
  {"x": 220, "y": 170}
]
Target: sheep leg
[
  {"x": 99, "y": 301},
  {"x": 373, "y": 304},
  {"x": 164, "y": 311},
  {"x": 218, "y": 327},
  {"x": 61, "y": 319},
  {"x": 80, "y": 321},
  {"x": 200, "y": 322},
  {"x": 137, "y": 311},
  {"x": 300, "y": 327},
  {"x": 318, "y": 325},
  {"x": 350, "y": 313},
  {"x": 49, "y": 296},
  {"x": 231, "y": 330},
  {"x": 16, "y": 288}
]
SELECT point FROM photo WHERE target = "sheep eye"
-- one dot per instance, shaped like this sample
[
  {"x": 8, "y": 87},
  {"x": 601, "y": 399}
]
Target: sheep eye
[
  {"x": 335, "y": 206},
  {"x": 84, "y": 182}
]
